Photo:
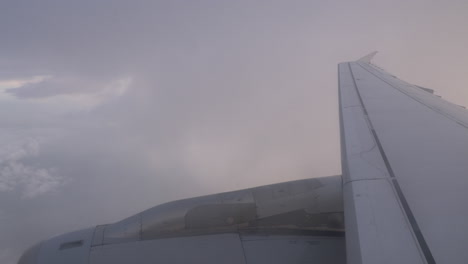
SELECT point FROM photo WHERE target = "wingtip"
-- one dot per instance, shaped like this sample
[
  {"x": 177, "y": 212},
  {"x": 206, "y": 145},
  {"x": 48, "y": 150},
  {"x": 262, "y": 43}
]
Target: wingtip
[{"x": 368, "y": 57}]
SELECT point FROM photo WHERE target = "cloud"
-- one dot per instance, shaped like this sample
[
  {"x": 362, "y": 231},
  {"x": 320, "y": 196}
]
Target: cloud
[
  {"x": 162, "y": 100},
  {"x": 55, "y": 86},
  {"x": 19, "y": 82},
  {"x": 45, "y": 88},
  {"x": 29, "y": 180},
  {"x": 7, "y": 255}
]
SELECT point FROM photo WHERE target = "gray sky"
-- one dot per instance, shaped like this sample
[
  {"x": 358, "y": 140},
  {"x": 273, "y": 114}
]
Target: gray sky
[{"x": 110, "y": 107}]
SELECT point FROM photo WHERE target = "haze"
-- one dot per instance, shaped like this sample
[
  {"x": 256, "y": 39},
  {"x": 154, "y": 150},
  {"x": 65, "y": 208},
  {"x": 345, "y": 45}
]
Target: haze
[{"x": 111, "y": 107}]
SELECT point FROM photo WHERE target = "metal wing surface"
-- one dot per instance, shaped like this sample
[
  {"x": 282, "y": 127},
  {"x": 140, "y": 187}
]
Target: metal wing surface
[{"x": 405, "y": 169}]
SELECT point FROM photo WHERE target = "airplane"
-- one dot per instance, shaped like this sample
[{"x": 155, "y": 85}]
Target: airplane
[{"x": 401, "y": 197}]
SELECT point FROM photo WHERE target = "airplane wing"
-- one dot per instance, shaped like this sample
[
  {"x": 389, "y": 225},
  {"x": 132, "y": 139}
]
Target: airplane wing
[{"x": 405, "y": 169}]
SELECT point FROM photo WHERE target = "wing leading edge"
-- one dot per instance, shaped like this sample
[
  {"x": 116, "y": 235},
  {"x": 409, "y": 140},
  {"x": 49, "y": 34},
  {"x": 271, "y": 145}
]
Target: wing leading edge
[{"x": 404, "y": 159}]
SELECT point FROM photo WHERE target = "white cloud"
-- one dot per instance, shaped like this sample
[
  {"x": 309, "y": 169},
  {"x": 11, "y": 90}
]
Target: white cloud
[
  {"x": 15, "y": 83},
  {"x": 64, "y": 94},
  {"x": 29, "y": 180},
  {"x": 6, "y": 84},
  {"x": 48, "y": 86}
]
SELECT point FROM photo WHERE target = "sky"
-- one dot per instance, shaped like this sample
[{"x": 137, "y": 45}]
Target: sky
[{"x": 108, "y": 108}]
